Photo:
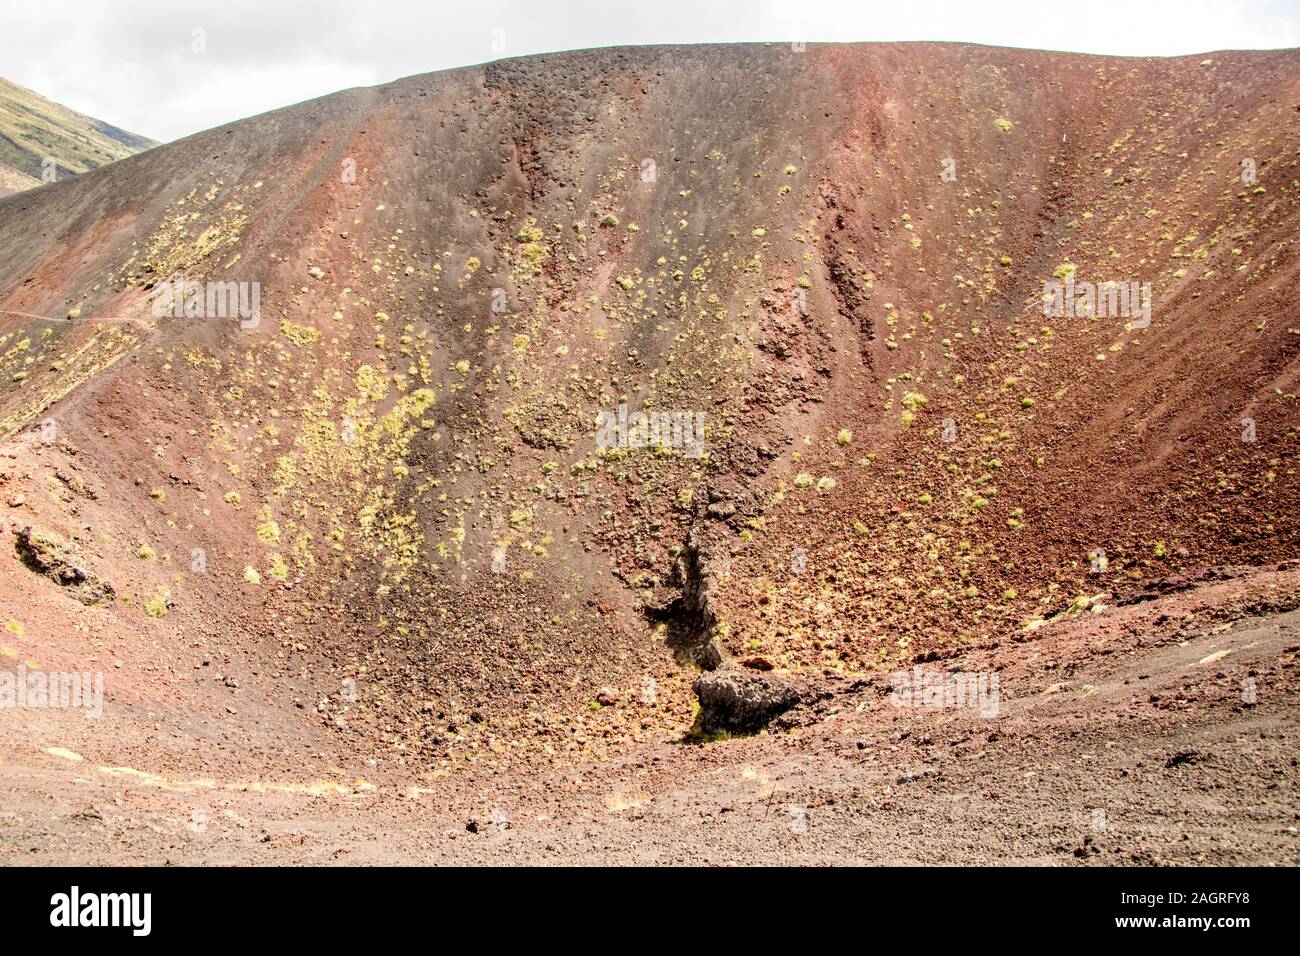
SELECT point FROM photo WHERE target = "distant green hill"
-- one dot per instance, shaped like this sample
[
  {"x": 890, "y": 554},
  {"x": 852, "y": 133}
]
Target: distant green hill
[{"x": 34, "y": 129}]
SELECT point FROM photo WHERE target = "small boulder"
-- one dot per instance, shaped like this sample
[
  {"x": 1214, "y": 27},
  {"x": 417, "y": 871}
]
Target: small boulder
[
  {"x": 607, "y": 697},
  {"x": 63, "y": 562}
]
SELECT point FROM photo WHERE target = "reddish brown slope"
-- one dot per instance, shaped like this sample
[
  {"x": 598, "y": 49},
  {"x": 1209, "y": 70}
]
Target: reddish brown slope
[{"x": 348, "y": 520}]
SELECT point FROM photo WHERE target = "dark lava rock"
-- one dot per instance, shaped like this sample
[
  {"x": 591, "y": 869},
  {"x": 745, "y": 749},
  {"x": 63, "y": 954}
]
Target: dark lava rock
[
  {"x": 740, "y": 702},
  {"x": 1185, "y": 757},
  {"x": 61, "y": 561}
]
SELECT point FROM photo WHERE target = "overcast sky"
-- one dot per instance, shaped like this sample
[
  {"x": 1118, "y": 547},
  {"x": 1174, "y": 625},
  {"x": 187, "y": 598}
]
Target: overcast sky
[{"x": 138, "y": 64}]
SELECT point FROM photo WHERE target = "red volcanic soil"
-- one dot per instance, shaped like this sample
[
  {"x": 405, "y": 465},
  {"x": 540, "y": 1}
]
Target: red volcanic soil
[{"x": 369, "y": 562}]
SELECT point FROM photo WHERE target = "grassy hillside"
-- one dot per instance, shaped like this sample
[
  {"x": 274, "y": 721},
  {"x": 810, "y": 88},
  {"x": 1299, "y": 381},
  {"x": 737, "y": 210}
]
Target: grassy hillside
[{"x": 33, "y": 129}]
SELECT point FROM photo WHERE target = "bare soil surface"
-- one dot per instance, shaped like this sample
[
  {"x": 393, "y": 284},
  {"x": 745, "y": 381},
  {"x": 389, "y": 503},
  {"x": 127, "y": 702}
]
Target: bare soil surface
[{"x": 1122, "y": 738}]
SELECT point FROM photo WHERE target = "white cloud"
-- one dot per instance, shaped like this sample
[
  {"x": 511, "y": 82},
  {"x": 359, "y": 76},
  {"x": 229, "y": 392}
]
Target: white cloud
[{"x": 135, "y": 66}]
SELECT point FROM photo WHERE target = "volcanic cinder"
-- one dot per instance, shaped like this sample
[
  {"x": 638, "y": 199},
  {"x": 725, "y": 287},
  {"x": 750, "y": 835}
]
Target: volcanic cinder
[{"x": 318, "y": 397}]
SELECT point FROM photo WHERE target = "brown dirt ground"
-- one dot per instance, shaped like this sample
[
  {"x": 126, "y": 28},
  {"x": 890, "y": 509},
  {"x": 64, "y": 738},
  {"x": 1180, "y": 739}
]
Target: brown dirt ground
[{"x": 1135, "y": 712}]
